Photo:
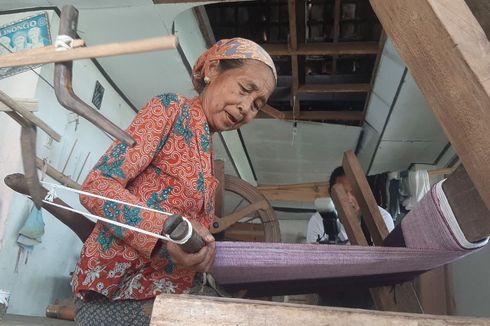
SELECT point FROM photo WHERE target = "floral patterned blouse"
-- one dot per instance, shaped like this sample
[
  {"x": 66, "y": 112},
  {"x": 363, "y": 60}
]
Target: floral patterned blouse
[{"x": 169, "y": 169}]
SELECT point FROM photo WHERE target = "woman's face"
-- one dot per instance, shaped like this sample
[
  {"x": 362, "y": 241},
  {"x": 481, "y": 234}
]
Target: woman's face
[{"x": 234, "y": 97}]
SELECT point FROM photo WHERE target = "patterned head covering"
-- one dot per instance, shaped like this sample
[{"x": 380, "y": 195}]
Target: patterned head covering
[{"x": 235, "y": 48}]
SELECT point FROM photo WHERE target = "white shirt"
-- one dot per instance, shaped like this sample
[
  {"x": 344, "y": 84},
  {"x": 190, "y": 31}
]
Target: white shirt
[{"x": 315, "y": 227}]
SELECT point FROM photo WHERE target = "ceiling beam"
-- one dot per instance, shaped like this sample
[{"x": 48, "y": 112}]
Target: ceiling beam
[
  {"x": 344, "y": 48},
  {"x": 319, "y": 115},
  {"x": 335, "y": 88}
]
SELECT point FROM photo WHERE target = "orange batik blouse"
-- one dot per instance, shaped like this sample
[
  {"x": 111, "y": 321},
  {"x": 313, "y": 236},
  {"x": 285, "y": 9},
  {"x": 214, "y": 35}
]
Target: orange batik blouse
[{"x": 169, "y": 169}]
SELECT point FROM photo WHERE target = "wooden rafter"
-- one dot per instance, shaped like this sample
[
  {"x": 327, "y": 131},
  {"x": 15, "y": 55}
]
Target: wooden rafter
[
  {"x": 293, "y": 45},
  {"x": 320, "y": 116},
  {"x": 344, "y": 48},
  {"x": 302, "y": 192},
  {"x": 335, "y": 88}
]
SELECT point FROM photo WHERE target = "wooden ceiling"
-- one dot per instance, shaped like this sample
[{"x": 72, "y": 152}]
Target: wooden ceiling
[{"x": 325, "y": 52}]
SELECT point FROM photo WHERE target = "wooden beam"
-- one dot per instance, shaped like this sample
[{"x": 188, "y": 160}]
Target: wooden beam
[
  {"x": 401, "y": 297},
  {"x": 348, "y": 216},
  {"x": 28, "y": 104},
  {"x": 336, "y": 31},
  {"x": 298, "y": 193},
  {"x": 273, "y": 112},
  {"x": 293, "y": 45},
  {"x": 319, "y": 116},
  {"x": 335, "y": 88},
  {"x": 26, "y": 114},
  {"x": 448, "y": 54},
  {"x": 33, "y": 57},
  {"x": 365, "y": 198},
  {"x": 344, "y": 48},
  {"x": 171, "y": 309}
]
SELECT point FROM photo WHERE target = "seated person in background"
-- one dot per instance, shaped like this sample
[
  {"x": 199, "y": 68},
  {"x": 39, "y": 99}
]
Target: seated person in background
[
  {"x": 324, "y": 226},
  {"x": 315, "y": 225}
]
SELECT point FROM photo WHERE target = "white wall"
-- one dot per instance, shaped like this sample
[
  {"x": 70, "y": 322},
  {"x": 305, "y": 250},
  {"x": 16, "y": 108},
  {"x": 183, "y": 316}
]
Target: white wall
[{"x": 46, "y": 275}]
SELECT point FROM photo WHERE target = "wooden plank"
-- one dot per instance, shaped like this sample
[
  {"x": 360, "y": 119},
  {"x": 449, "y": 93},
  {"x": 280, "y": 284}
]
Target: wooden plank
[
  {"x": 30, "y": 105},
  {"x": 365, "y": 198},
  {"x": 317, "y": 116},
  {"x": 273, "y": 112},
  {"x": 294, "y": 87},
  {"x": 448, "y": 54},
  {"x": 335, "y": 88},
  {"x": 171, "y": 309},
  {"x": 293, "y": 35},
  {"x": 26, "y": 114},
  {"x": 344, "y": 48},
  {"x": 250, "y": 232},
  {"x": 32, "y": 57},
  {"x": 467, "y": 205},
  {"x": 301, "y": 193},
  {"x": 348, "y": 216}
]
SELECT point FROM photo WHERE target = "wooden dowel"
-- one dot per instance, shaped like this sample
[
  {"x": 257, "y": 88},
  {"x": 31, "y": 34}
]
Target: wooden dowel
[
  {"x": 96, "y": 51},
  {"x": 11, "y": 103},
  {"x": 57, "y": 175},
  {"x": 29, "y": 104}
]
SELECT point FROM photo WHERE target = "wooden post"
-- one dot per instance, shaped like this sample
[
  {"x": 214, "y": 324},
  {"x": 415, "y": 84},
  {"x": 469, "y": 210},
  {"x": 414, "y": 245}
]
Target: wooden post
[
  {"x": 178, "y": 310},
  {"x": 365, "y": 198},
  {"x": 448, "y": 54}
]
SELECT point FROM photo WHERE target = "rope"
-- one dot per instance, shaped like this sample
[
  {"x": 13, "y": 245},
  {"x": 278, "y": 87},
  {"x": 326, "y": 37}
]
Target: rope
[
  {"x": 51, "y": 195},
  {"x": 63, "y": 43}
]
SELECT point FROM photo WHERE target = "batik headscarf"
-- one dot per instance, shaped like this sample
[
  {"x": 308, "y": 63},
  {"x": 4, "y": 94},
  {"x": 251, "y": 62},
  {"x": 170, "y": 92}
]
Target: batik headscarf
[{"x": 235, "y": 48}]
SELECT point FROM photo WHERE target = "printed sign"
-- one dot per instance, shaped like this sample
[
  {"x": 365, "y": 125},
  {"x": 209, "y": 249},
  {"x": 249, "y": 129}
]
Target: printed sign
[{"x": 25, "y": 34}]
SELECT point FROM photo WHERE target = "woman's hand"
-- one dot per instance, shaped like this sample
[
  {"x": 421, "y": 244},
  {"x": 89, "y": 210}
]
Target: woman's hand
[{"x": 200, "y": 261}]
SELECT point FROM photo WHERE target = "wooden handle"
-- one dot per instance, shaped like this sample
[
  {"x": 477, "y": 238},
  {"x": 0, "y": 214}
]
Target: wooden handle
[{"x": 177, "y": 228}]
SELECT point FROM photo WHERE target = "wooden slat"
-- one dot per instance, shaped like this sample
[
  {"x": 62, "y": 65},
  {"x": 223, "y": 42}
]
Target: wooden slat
[
  {"x": 448, "y": 54},
  {"x": 365, "y": 198},
  {"x": 171, "y": 309},
  {"x": 344, "y": 48},
  {"x": 319, "y": 116},
  {"x": 299, "y": 193},
  {"x": 272, "y": 112},
  {"x": 294, "y": 86},
  {"x": 26, "y": 114},
  {"x": 335, "y": 88},
  {"x": 32, "y": 57},
  {"x": 250, "y": 232},
  {"x": 348, "y": 216},
  {"x": 401, "y": 297},
  {"x": 28, "y": 104}
]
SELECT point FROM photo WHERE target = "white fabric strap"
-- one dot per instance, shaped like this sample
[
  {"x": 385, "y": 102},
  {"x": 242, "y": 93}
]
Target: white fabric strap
[
  {"x": 51, "y": 195},
  {"x": 453, "y": 223},
  {"x": 63, "y": 42}
]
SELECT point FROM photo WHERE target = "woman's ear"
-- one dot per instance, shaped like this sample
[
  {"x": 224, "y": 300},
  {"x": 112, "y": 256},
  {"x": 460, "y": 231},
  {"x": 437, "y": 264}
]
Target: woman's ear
[{"x": 211, "y": 69}]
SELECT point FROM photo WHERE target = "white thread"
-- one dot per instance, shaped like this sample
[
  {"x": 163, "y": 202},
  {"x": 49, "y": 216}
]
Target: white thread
[
  {"x": 63, "y": 42},
  {"x": 52, "y": 194},
  {"x": 102, "y": 197}
]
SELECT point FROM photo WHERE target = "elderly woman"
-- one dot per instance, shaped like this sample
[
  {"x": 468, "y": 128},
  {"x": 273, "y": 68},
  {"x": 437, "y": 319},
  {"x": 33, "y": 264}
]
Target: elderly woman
[{"x": 170, "y": 169}]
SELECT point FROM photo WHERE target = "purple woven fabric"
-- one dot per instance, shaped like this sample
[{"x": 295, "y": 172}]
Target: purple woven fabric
[{"x": 429, "y": 244}]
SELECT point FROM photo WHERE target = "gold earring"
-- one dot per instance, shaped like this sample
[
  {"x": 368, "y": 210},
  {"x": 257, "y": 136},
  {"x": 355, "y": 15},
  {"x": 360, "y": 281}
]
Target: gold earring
[{"x": 207, "y": 80}]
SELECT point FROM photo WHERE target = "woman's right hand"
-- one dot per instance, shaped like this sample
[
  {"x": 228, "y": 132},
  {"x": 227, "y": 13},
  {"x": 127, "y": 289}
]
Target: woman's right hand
[{"x": 200, "y": 261}]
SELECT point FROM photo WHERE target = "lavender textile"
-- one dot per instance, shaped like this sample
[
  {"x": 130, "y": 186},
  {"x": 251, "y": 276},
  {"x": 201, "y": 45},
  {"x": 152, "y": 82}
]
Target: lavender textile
[{"x": 429, "y": 235}]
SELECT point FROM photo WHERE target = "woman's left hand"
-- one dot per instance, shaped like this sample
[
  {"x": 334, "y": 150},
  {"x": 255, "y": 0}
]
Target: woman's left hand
[{"x": 200, "y": 261}]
